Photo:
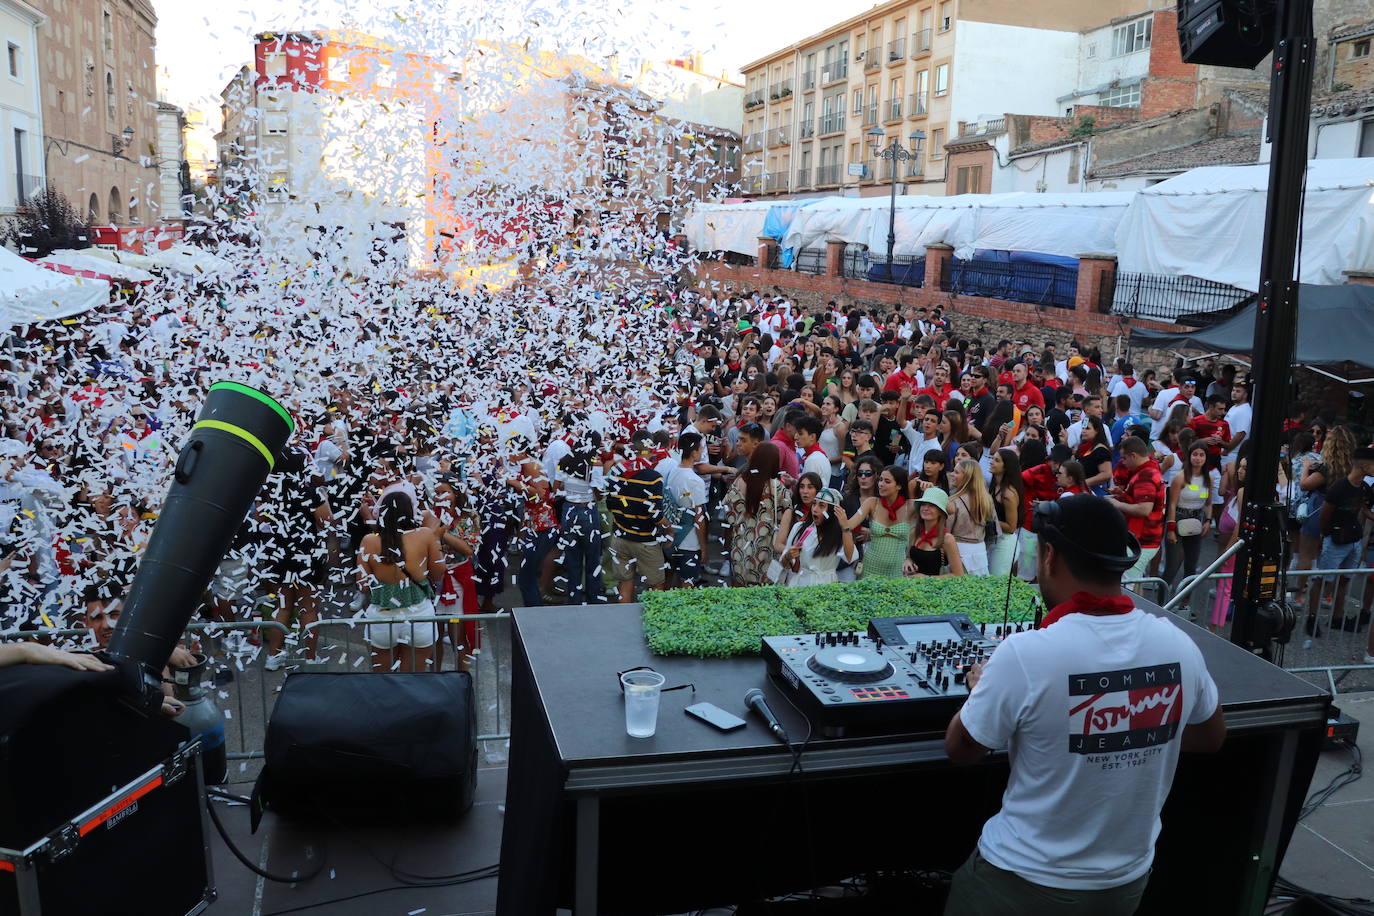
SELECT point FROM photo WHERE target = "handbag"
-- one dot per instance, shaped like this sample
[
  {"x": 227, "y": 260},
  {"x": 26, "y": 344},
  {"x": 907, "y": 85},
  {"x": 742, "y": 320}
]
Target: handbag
[
  {"x": 1189, "y": 527},
  {"x": 776, "y": 571}
]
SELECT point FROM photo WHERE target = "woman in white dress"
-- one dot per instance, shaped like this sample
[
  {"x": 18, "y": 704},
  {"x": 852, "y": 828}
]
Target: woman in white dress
[{"x": 816, "y": 544}]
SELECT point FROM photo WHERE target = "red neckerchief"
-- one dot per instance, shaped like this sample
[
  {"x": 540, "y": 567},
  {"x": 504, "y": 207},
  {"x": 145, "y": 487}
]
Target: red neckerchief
[
  {"x": 928, "y": 537},
  {"x": 895, "y": 507},
  {"x": 1129, "y": 381},
  {"x": 815, "y": 447},
  {"x": 1084, "y": 603}
]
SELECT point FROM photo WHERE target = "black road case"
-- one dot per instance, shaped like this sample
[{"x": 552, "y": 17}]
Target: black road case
[{"x": 143, "y": 850}]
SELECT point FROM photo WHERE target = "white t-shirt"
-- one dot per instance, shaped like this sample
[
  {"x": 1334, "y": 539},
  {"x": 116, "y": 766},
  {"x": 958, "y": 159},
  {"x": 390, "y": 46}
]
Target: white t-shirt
[
  {"x": 1090, "y": 711},
  {"x": 1162, "y": 451},
  {"x": 1164, "y": 403},
  {"x": 1076, "y": 433},
  {"x": 1238, "y": 418},
  {"x": 1135, "y": 392},
  {"x": 690, "y": 491},
  {"x": 820, "y": 464}
]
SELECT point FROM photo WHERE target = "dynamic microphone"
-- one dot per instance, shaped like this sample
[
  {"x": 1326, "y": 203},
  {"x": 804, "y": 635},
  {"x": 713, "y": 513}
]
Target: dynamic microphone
[{"x": 753, "y": 698}]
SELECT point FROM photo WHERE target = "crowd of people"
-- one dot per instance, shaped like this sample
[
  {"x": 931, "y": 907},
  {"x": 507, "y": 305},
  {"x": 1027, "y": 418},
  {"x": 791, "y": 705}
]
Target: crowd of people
[{"x": 454, "y": 443}]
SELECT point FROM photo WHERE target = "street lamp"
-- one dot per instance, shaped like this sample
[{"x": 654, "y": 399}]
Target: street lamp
[
  {"x": 895, "y": 153},
  {"x": 122, "y": 141}
]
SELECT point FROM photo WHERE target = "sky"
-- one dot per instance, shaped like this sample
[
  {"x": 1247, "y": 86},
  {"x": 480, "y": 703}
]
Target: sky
[{"x": 201, "y": 45}]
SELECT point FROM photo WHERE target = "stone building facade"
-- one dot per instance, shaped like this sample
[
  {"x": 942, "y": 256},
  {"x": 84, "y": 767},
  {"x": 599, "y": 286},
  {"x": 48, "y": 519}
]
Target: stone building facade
[{"x": 99, "y": 100}]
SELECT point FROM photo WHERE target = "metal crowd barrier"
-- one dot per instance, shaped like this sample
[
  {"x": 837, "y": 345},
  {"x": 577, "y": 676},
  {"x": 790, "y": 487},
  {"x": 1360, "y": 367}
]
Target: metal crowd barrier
[
  {"x": 1305, "y": 651},
  {"x": 1160, "y": 586},
  {"x": 245, "y": 701}
]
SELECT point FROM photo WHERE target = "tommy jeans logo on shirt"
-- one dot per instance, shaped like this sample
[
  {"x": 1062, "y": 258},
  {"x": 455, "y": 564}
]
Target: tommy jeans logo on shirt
[{"x": 1124, "y": 710}]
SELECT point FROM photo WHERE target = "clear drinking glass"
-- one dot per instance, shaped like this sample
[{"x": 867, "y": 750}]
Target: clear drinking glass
[{"x": 641, "y": 702}]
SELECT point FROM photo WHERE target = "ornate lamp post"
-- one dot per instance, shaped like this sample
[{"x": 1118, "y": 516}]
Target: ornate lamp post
[{"x": 895, "y": 153}]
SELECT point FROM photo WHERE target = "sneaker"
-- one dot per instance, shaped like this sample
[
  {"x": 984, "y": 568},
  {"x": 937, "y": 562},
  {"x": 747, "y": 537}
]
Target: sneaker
[
  {"x": 317, "y": 660},
  {"x": 1369, "y": 659},
  {"x": 275, "y": 661}
]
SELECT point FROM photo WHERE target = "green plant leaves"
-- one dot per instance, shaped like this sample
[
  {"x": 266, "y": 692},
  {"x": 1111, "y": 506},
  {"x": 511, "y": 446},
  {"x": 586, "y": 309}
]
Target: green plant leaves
[{"x": 725, "y": 622}]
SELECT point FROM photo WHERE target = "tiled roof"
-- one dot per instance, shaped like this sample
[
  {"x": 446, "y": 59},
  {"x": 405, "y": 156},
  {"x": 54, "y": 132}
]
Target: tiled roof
[
  {"x": 1221, "y": 151},
  {"x": 1336, "y": 104},
  {"x": 1349, "y": 29},
  {"x": 1255, "y": 99}
]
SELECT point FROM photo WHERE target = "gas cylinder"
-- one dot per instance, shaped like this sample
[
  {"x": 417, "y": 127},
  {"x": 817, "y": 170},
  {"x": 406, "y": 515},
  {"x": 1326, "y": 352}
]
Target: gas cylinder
[{"x": 202, "y": 717}]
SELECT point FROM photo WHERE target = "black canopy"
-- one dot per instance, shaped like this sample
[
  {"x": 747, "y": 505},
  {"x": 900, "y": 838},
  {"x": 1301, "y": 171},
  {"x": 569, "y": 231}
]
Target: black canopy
[{"x": 1335, "y": 325}]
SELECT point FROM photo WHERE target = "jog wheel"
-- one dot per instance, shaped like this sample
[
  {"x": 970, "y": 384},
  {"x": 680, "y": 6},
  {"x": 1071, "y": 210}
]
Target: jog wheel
[{"x": 850, "y": 665}]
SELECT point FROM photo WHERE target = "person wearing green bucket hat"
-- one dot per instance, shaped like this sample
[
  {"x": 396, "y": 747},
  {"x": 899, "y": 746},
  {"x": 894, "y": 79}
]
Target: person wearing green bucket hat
[
  {"x": 818, "y": 542},
  {"x": 933, "y": 550}
]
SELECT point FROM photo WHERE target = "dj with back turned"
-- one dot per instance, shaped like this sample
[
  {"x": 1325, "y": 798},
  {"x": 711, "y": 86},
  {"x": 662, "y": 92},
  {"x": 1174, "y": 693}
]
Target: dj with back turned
[{"x": 1093, "y": 708}]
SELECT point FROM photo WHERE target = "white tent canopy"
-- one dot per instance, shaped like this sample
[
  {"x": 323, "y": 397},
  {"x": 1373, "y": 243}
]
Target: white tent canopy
[
  {"x": 190, "y": 259},
  {"x": 1056, "y": 224},
  {"x": 29, "y": 293},
  {"x": 83, "y": 260},
  {"x": 727, "y": 227},
  {"x": 128, "y": 258},
  {"x": 1209, "y": 223}
]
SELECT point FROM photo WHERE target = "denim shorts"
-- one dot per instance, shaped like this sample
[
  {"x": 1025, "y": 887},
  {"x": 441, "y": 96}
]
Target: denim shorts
[{"x": 1338, "y": 556}]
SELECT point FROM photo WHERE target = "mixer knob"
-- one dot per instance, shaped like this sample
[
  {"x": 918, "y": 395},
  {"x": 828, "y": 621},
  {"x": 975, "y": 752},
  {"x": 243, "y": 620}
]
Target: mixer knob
[{"x": 958, "y": 677}]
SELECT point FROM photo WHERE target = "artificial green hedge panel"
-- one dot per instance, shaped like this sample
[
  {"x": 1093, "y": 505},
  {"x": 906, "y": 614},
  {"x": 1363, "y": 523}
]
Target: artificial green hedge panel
[{"x": 724, "y": 622}]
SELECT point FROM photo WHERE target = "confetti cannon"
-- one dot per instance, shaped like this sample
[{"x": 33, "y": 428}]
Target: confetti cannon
[{"x": 234, "y": 445}]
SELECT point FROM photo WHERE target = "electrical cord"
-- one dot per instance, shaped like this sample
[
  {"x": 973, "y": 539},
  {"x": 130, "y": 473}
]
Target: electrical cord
[
  {"x": 280, "y": 879},
  {"x": 480, "y": 874},
  {"x": 1288, "y": 892},
  {"x": 1342, "y": 779}
]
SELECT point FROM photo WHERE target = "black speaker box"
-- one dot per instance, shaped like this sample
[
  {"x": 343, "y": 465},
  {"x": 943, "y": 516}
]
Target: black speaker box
[
  {"x": 370, "y": 747},
  {"x": 1220, "y": 33}
]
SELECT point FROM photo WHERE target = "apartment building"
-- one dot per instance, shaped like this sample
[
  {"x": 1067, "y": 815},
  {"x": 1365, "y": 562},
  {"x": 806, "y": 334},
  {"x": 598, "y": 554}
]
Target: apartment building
[
  {"x": 914, "y": 68},
  {"x": 21, "y": 112}
]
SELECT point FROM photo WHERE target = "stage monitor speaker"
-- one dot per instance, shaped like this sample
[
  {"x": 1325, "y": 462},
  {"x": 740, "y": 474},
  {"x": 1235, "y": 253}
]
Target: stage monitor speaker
[
  {"x": 373, "y": 747},
  {"x": 1226, "y": 33}
]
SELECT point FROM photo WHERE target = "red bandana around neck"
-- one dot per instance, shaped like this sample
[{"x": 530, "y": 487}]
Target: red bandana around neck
[
  {"x": 894, "y": 507},
  {"x": 1085, "y": 603}
]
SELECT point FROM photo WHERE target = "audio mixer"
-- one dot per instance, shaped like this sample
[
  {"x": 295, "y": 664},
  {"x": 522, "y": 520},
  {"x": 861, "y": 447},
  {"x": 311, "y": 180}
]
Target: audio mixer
[{"x": 905, "y": 674}]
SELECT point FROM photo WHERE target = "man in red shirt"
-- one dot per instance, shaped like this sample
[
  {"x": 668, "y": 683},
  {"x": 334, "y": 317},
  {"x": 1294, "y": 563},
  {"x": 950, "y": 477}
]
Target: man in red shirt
[
  {"x": 939, "y": 388},
  {"x": 1023, "y": 392},
  {"x": 1141, "y": 497},
  {"x": 789, "y": 464},
  {"x": 1212, "y": 430},
  {"x": 904, "y": 377},
  {"x": 1040, "y": 483}
]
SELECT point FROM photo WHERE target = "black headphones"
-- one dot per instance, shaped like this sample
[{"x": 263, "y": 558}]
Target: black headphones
[{"x": 1046, "y": 523}]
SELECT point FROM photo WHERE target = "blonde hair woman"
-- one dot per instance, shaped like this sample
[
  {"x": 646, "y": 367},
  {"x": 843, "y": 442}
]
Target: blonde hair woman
[{"x": 970, "y": 507}]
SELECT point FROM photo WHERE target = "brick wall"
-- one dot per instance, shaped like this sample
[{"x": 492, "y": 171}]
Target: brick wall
[
  {"x": 987, "y": 319},
  {"x": 1357, "y": 72},
  {"x": 1171, "y": 84}
]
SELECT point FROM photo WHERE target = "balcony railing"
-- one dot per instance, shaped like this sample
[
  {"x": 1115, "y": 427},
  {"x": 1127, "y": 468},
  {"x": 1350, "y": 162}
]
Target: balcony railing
[
  {"x": 920, "y": 43},
  {"x": 808, "y": 80},
  {"x": 871, "y": 115},
  {"x": 834, "y": 72},
  {"x": 896, "y": 49},
  {"x": 885, "y": 171},
  {"x": 915, "y": 168},
  {"x": 871, "y": 61},
  {"x": 779, "y": 91},
  {"x": 753, "y": 142},
  {"x": 26, "y": 187},
  {"x": 751, "y": 184},
  {"x": 828, "y": 175},
  {"x": 859, "y": 54},
  {"x": 894, "y": 109},
  {"x": 803, "y": 178},
  {"x": 832, "y": 123},
  {"x": 780, "y": 136},
  {"x": 916, "y": 104},
  {"x": 808, "y": 128},
  {"x": 775, "y": 181},
  {"x": 753, "y": 99}
]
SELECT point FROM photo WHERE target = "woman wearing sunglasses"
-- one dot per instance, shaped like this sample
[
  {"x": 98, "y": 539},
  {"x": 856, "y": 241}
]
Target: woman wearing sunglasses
[{"x": 862, "y": 486}]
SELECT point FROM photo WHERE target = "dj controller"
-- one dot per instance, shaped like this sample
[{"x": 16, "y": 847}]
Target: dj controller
[{"x": 904, "y": 674}]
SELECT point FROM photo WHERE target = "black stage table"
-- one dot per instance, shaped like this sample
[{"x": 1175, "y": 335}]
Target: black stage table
[{"x": 693, "y": 817}]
